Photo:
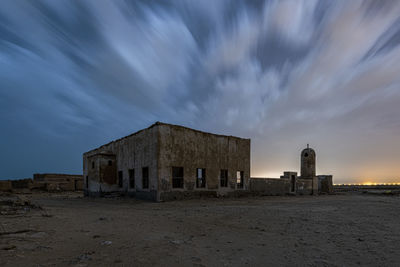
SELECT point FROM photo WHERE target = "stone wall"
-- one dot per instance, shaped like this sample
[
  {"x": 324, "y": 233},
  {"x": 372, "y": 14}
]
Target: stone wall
[
  {"x": 307, "y": 186},
  {"x": 191, "y": 149},
  {"x": 325, "y": 184},
  {"x": 5, "y": 186},
  {"x": 57, "y": 182},
  {"x": 282, "y": 186},
  {"x": 132, "y": 152},
  {"x": 270, "y": 186}
]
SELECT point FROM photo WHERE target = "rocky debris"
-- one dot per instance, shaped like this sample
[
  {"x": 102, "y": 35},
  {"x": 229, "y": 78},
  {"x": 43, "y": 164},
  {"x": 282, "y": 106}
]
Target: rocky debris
[
  {"x": 106, "y": 243},
  {"x": 16, "y": 205}
]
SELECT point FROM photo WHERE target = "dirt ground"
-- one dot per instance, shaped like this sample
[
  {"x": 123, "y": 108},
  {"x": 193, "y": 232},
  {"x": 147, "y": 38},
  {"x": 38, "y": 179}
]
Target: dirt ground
[{"x": 69, "y": 230}]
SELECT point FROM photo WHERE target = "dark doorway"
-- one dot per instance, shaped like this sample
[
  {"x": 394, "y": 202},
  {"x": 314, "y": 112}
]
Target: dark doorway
[
  {"x": 293, "y": 183},
  {"x": 87, "y": 182},
  {"x": 120, "y": 178}
]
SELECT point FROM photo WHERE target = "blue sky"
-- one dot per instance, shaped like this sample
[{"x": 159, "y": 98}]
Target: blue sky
[{"x": 77, "y": 74}]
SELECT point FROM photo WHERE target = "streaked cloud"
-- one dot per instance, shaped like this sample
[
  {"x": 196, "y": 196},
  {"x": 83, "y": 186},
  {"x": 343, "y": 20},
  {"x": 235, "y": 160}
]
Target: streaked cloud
[{"x": 75, "y": 74}]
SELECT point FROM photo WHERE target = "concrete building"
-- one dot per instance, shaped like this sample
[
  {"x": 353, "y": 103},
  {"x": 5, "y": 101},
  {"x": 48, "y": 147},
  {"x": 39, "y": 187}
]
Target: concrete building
[{"x": 166, "y": 162}]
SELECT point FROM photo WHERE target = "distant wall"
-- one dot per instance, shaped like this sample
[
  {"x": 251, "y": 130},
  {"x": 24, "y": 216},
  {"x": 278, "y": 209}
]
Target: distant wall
[
  {"x": 57, "y": 182},
  {"x": 5, "y": 185},
  {"x": 56, "y": 177},
  {"x": 279, "y": 187},
  {"x": 46, "y": 182},
  {"x": 22, "y": 183},
  {"x": 270, "y": 186}
]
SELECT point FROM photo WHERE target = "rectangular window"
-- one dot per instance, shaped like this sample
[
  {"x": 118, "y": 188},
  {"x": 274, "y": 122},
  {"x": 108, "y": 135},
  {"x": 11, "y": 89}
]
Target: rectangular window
[
  {"x": 131, "y": 178},
  {"x": 87, "y": 182},
  {"x": 120, "y": 178},
  {"x": 201, "y": 178},
  {"x": 224, "y": 178},
  {"x": 92, "y": 164},
  {"x": 239, "y": 179},
  {"x": 177, "y": 177},
  {"x": 145, "y": 177}
]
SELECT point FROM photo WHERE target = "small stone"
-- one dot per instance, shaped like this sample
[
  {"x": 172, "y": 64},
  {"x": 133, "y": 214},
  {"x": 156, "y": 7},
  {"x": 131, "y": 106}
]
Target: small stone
[{"x": 107, "y": 243}]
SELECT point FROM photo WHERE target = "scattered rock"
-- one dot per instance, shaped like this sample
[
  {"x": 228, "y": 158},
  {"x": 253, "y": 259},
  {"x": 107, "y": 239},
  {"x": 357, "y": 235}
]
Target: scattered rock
[
  {"x": 9, "y": 247},
  {"x": 106, "y": 243}
]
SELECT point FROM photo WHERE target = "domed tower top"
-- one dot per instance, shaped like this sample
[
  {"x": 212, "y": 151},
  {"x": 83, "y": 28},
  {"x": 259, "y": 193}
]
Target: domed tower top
[{"x": 308, "y": 163}]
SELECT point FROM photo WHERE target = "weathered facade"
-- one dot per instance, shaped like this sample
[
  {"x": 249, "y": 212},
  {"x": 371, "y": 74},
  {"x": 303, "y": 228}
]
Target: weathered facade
[{"x": 166, "y": 162}]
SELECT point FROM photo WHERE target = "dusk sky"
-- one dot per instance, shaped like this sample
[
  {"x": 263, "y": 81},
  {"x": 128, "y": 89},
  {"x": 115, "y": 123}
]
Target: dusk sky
[{"x": 77, "y": 74}]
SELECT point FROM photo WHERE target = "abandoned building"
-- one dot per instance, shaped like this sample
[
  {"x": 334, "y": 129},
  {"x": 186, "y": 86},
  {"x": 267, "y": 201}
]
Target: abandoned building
[
  {"x": 167, "y": 161},
  {"x": 308, "y": 183}
]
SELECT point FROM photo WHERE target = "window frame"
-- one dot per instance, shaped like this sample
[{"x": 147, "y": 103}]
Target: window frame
[
  {"x": 120, "y": 179},
  {"x": 131, "y": 174},
  {"x": 202, "y": 179},
  {"x": 223, "y": 181},
  {"x": 177, "y": 181},
  {"x": 240, "y": 184},
  {"x": 147, "y": 178}
]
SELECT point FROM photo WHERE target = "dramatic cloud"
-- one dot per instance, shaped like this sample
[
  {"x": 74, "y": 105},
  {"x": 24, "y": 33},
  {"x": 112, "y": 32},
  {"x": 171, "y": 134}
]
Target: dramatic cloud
[{"x": 75, "y": 74}]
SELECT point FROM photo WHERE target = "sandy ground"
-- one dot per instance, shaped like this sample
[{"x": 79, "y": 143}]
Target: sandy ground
[{"x": 335, "y": 230}]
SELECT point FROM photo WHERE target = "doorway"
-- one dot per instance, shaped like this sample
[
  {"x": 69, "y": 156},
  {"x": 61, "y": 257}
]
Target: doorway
[{"x": 293, "y": 183}]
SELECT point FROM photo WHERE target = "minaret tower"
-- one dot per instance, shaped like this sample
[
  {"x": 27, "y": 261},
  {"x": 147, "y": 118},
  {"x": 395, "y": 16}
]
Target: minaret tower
[{"x": 308, "y": 163}]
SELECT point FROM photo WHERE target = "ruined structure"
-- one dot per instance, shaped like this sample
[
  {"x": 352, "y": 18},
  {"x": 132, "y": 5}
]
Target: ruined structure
[
  {"x": 308, "y": 183},
  {"x": 45, "y": 182},
  {"x": 166, "y": 162},
  {"x": 57, "y": 182}
]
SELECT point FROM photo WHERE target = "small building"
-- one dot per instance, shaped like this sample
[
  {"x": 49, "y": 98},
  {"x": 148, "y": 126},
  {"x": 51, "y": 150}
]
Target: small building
[
  {"x": 57, "y": 182},
  {"x": 165, "y": 161},
  {"x": 308, "y": 183}
]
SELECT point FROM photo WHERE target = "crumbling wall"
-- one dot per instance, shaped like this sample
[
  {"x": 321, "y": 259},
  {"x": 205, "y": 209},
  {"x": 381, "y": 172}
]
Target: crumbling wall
[
  {"x": 56, "y": 182},
  {"x": 5, "y": 186},
  {"x": 270, "y": 186},
  {"x": 325, "y": 184},
  {"x": 307, "y": 186},
  {"x": 21, "y": 184},
  {"x": 192, "y": 149},
  {"x": 131, "y": 152}
]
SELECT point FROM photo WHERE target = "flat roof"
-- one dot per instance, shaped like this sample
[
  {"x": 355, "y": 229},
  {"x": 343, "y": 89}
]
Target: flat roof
[{"x": 164, "y": 124}]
